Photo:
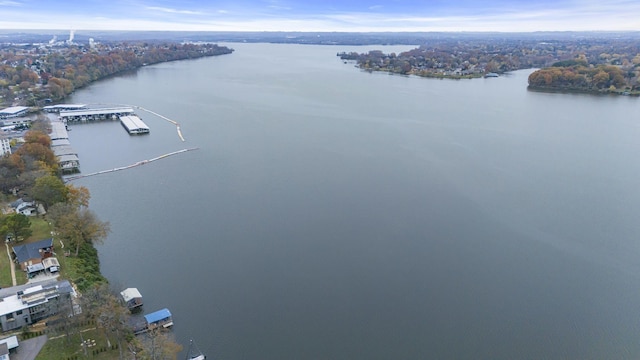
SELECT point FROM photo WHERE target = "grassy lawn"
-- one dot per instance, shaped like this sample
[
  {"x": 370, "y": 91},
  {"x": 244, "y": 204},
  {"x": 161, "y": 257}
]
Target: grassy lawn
[
  {"x": 61, "y": 348},
  {"x": 5, "y": 270},
  {"x": 40, "y": 228}
]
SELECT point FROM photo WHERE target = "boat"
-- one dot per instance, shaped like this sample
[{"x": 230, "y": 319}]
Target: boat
[{"x": 194, "y": 353}]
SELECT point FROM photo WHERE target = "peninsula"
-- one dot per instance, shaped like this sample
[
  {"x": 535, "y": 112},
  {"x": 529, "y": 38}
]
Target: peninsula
[{"x": 600, "y": 63}]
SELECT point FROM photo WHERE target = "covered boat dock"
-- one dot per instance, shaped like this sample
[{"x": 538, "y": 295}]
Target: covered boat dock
[
  {"x": 95, "y": 114},
  {"x": 134, "y": 125}
]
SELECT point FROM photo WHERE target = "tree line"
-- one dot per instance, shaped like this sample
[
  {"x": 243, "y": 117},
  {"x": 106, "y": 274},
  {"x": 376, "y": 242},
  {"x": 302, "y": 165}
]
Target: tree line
[
  {"x": 35, "y": 73},
  {"x": 579, "y": 76}
]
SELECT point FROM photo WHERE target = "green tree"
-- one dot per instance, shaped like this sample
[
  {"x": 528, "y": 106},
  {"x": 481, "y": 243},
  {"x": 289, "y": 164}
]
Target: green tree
[
  {"x": 49, "y": 190},
  {"x": 17, "y": 225}
]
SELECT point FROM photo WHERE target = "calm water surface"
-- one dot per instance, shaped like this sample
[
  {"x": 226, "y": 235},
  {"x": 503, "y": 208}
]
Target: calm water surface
[{"x": 331, "y": 213}]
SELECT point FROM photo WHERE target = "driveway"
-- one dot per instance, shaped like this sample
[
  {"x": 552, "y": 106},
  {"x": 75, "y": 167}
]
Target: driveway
[{"x": 29, "y": 349}]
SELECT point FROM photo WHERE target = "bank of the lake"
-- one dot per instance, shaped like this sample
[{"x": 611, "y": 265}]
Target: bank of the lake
[{"x": 335, "y": 213}]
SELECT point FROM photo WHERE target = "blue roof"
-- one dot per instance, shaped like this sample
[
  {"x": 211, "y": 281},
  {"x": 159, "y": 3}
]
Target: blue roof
[
  {"x": 31, "y": 251},
  {"x": 157, "y": 316}
]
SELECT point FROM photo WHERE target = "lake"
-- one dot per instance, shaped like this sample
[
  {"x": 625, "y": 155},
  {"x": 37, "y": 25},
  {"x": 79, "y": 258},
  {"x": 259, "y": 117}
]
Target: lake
[{"x": 331, "y": 213}]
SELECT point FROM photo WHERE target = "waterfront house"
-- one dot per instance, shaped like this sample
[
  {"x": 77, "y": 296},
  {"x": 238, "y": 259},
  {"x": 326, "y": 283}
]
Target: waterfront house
[
  {"x": 27, "y": 304},
  {"x": 33, "y": 253},
  {"x": 23, "y": 207}
]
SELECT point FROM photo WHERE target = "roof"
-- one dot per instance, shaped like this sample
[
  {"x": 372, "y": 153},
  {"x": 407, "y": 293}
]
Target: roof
[
  {"x": 58, "y": 130},
  {"x": 11, "y": 341},
  {"x": 58, "y": 142},
  {"x": 65, "y": 107},
  {"x": 133, "y": 123},
  {"x": 60, "y": 150},
  {"x": 22, "y": 296},
  {"x": 130, "y": 294},
  {"x": 158, "y": 315},
  {"x": 67, "y": 158},
  {"x": 103, "y": 111},
  {"x": 34, "y": 268},
  {"x": 30, "y": 251},
  {"x": 49, "y": 262},
  {"x": 13, "y": 110}
]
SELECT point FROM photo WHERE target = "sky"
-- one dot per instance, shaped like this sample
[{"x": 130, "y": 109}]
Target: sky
[{"x": 323, "y": 15}]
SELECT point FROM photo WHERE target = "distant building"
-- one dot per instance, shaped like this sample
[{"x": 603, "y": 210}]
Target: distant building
[
  {"x": 13, "y": 111},
  {"x": 5, "y": 146}
]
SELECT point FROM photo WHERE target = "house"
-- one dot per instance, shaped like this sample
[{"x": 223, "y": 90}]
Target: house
[
  {"x": 27, "y": 304},
  {"x": 23, "y": 207},
  {"x": 33, "y": 253}
]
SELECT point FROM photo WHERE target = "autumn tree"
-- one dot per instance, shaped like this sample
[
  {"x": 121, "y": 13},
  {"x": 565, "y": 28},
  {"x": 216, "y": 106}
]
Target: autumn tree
[
  {"x": 78, "y": 225},
  {"x": 158, "y": 344},
  {"x": 78, "y": 196},
  {"x": 17, "y": 225},
  {"x": 110, "y": 314}
]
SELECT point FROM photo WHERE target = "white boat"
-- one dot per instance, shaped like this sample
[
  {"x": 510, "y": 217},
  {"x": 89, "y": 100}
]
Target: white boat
[{"x": 194, "y": 353}]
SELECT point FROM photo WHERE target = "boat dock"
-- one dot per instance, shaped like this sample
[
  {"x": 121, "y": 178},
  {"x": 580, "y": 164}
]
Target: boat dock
[
  {"x": 160, "y": 319},
  {"x": 132, "y": 298},
  {"x": 85, "y": 115},
  {"x": 67, "y": 157},
  {"x": 134, "y": 125}
]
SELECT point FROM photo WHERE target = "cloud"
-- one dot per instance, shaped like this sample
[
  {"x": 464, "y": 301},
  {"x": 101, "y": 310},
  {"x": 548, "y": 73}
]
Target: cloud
[
  {"x": 9, "y": 3},
  {"x": 174, "y": 11}
]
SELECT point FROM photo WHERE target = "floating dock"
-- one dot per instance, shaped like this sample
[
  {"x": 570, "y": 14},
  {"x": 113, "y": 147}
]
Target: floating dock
[{"x": 134, "y": 125}]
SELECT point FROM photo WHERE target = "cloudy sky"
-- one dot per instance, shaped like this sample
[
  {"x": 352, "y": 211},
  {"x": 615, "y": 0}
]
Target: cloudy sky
[{"x": 322, "y": 15}]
